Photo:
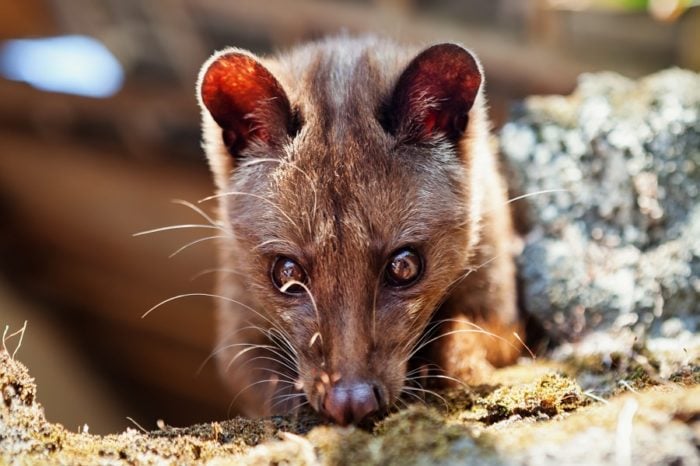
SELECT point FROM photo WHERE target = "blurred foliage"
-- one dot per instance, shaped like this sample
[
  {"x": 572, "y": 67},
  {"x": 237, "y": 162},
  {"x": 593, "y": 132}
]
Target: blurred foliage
[{"x": 664, "y": 10}]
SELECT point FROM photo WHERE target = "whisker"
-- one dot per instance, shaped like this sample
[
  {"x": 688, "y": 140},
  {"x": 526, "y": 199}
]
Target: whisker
[
  {"x": 313, "y": 303},
  {"x": 199, "y": 211},
  {"x": 439, "y": 376},
  {"x": 422, "y": 368},
  {"x": 314, "y": 337},
  {"x": 293, "y": 369},
  {"x": 280, "y": 333},
  {"x": 295, "y": 409},
  {"x": 214, "y": 270},
  {"x": 420, "y": 337},
  {"x": 272, "y": 241},
  {"x": 285, "y": 398},
  {"x": 238, "y": 355},
  {"x": 197, "y": 241},
  {"x": 216, "y": 296},
  {"x": 262, "y": 198},
  {"x": 277, "y": 336},
  {"x": 284, "y": 358},
  {"x": 399, "y": 400},
  {"x": 286, "y": 377},
  {"x": 471, "y": 270},
  {"x": 224, "y": 348},
  {"x": 282, "y": 347},
  {"x": 280, "y": 377},
  {"x": 526, "y": 195},
  {"x": 294, "y": 166},
  {"x": 532, "y": 355},
  {"x": 408, "y": 393},
  {"x": 419, "y": 342},
  {"x": 537, "y": 193},
  {"x": 175, "y": 227},
  {"x": 285, "y": 355},
  {"x": 249, "y": 386},
  {"x": 427, "y": 392},
  {"x": 442, "y": 335},
  {"x": 454, "y": 332}
]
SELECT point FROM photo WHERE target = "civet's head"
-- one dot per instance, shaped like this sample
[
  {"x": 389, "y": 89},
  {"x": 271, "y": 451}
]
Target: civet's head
[{"x": 345, "y": 174}]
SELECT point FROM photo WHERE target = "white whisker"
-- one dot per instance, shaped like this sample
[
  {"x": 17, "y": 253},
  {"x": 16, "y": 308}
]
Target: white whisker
[
  {"x": 216, "y": 296},
  {"x": 197, "y": 241},
  {"x": 427, "y": 392},
  {"x": 199, "y": 211},
  {"x": 438, "y": 376},
  {"x": 214, "y": 270},
  {"x": 532, "y": 355},
  {"x": 278, "y": 361},
  {"x": 175, "y": 227},
  {"x": 249, "y": 386},
  {"x": 406, "y": 389},
  {"x": 272, "y": 241},
  {"x": 313, "y": 303},
  {"x": 294, "y": 166},
  {"x": 410, "y": 393},
  {"x": 225, "y": 347},
  {"x": 476, "y": 329},
  {"x": 537, "y": 193},
  {"x": 262, "y": 198}
]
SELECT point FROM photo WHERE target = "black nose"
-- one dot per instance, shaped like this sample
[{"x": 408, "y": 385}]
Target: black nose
[{"x": 351, "y": 402}]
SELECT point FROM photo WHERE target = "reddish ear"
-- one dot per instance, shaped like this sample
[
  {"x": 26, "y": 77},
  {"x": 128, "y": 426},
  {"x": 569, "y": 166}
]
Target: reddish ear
[
  {"x": 245, "y": 100},
  {"x": 434, "y": 94}
]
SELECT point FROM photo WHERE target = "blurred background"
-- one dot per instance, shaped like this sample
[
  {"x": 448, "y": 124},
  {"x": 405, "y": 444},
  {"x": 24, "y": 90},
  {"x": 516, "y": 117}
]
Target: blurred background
[{"x": 99, "y": 132}]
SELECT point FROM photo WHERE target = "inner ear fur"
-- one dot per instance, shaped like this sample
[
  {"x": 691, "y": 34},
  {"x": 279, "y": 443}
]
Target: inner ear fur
[
  {"x": 242, "y": 104},
  {"x": 434, "y": 94}
]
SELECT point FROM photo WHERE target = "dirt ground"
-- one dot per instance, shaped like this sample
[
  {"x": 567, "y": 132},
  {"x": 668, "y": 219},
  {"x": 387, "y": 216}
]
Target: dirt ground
[{"x": 572, "y": 411}]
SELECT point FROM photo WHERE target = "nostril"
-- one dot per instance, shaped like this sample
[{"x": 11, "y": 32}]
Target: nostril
[{"x": 378, "y": 395}]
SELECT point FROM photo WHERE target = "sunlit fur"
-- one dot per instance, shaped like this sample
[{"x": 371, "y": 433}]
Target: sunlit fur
[{"x": 339, "y": 197}]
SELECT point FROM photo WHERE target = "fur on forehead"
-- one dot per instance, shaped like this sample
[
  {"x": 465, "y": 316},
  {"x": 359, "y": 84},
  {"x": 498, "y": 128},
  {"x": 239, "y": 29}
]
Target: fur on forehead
[{"x": 328, "y": 67}]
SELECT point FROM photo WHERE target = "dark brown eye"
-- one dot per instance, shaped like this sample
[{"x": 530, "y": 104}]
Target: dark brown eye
[
  {"x": 404, "y": 268},
  {"x": 285, "y": 270}
]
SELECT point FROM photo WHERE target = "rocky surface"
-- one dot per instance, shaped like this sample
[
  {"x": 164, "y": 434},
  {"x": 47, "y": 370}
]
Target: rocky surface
[
  {"x": 616, "y": 244},
  {"x": 533, "y": 414}
]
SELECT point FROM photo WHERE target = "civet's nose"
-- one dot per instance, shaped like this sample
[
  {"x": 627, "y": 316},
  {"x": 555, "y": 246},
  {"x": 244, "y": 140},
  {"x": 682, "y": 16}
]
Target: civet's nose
[{"x": 351, "y": 402}]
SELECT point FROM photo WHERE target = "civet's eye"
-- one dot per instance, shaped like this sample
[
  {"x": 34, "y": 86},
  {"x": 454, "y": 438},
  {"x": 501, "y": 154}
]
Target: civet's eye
[
  {"x": 404, "y": 268},
  {"x": 285, "y": 270}
]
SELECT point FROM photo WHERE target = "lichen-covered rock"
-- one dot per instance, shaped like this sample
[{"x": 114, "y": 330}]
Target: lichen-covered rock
[{"x": 615, "y": 238}]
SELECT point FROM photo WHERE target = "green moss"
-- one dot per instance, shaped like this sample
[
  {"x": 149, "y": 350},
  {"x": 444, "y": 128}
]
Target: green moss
[
  {"x": 689, "y": 375},
  {"x": 539, "y": 403},
  {"x": 349, "y": 446},
  {"x": 550, "y": 395},
  {"x": 616, "y": 373}
]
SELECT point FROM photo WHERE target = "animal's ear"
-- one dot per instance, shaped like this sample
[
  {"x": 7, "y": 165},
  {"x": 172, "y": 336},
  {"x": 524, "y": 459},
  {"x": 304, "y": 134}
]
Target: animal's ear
[
  {"x": 434, "y": 94},
  {"x": 245, "y": 100}
]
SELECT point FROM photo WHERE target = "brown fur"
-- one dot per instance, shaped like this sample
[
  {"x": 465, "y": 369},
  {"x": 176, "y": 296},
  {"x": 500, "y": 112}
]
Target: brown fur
[{"x": 339, "y": 193}]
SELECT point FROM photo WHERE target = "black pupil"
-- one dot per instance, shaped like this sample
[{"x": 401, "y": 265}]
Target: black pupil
[
  {"x": 285, "y": 271},
  {"x": 404, "y": 268}
]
